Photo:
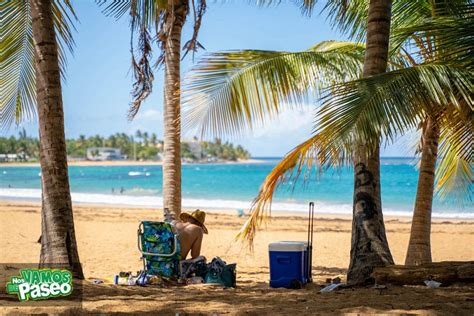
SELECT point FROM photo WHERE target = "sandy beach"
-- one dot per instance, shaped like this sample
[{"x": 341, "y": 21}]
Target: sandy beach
[{"x": 107, "y": 245}]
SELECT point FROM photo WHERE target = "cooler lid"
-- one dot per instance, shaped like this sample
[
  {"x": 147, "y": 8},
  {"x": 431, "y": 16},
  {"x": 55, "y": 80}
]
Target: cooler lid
[{"x": 292, "y": 246}]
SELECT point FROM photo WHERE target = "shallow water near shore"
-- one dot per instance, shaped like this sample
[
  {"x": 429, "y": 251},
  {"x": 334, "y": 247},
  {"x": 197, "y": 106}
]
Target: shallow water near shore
[{"x": 230, "y": 186}]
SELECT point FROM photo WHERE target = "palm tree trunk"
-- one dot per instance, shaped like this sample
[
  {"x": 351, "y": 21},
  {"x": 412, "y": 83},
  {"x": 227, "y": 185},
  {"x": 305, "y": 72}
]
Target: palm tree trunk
[
  {"x": 172, "y": 110},
  {"x": 369, "y": 245},
  {"x": 419, "y": 246},
  {"x": 58, "y": 241}
]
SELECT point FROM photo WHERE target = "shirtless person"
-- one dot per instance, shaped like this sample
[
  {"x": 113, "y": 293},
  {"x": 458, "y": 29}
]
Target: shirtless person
[{"x": 191, "y": 231}]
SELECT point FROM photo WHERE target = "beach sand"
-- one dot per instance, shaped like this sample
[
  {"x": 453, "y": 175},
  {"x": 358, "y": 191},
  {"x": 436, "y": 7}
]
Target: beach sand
[{"x": 107, "y": 240}]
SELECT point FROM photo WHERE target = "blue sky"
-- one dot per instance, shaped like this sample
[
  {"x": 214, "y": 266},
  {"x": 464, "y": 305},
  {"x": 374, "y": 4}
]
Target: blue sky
[{"x": 97, "y": 88}]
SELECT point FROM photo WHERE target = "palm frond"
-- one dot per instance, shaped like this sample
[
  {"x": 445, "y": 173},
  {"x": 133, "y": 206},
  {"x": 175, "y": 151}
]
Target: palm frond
[
  {"x": 454, "y": 175},
  {"x": 17, "y": 73},
  {"x": 386, "y": 105},
  {"x": 454, "y": 36},
  {"x": 230, "y": 91},
  {"x": 313, "y": 155},
  {"x": 306, "y": 6},
  {"x": 145, "y": 16},
  {"x": 148, "y": 20}
]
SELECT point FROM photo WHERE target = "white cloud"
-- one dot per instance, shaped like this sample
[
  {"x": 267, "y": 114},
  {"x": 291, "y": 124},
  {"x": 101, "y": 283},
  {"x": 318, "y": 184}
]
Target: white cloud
[
  {"x": 149, "y": 115},
  {"x": 288, "y": 121},
  {"x": 276, "y": 137}
]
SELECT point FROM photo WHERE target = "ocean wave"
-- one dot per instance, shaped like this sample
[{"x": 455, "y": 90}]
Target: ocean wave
[
  {"x": 223, "y": 204},
  {"x": 138, "y": 173}
]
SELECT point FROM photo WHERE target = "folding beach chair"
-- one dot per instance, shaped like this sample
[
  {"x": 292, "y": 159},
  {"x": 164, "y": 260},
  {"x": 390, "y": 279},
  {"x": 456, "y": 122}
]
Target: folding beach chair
[{"x": 159, "y": 246}]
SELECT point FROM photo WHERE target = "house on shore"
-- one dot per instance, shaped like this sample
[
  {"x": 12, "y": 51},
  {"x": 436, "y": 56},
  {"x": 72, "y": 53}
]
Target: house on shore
[
  {"x": 14, "y": 157},
  {"x": 104, "y": 153}
]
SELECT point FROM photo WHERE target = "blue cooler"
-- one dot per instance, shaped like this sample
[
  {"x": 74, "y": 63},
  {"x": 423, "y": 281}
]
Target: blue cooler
[{"x": 288, "y": 264}]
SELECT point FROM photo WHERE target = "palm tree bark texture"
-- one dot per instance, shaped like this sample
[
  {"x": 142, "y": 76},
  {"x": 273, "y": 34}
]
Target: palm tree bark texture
[
  {"x": 58, "y": 241},
  {"x": 369, "y": 245},
  {"x": 419, "y": 247},
  {"x": 172, "y": 109}
]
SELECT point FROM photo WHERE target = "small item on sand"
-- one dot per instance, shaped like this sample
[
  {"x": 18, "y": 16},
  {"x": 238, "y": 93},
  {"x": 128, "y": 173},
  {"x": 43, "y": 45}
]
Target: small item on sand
[
  {"x": 118, "y": 280},
  {"x": 124, "y": 274},
  {"x": 97, "y": 281},
  {"x": 240, "y": 212},
  {"x": 432, "y": 284},
  {"x": 331, "y": 287},
  {"x": 155, "y": 280},
  {"x": 336, "y": 282},
  {"x": 193, "y": 267},
  {"x": 194, "y": 280}
]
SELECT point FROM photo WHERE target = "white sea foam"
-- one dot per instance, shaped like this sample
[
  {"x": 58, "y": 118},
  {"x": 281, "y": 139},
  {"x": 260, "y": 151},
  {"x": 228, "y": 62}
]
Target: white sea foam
[{"x": 157, "y": 201}]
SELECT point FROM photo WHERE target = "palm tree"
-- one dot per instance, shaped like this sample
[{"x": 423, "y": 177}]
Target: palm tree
[
  {"x": 419, "y": 246},
  {"x": 167, "y": 18},
  {"x": 369, "y": 246},
  {"x": 34, "y": 58}
]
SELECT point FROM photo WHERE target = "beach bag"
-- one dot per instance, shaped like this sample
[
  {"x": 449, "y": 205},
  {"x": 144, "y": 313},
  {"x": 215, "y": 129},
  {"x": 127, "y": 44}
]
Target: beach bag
[
  {"x": 218, "y": 272},
  {"x": 196, "y": 267}
]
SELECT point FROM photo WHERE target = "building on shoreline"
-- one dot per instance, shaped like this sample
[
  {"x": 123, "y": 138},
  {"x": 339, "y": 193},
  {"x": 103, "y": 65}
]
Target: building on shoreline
[
  {"x": 14, "y": 157},
  {"x": 104, "y": 153}
]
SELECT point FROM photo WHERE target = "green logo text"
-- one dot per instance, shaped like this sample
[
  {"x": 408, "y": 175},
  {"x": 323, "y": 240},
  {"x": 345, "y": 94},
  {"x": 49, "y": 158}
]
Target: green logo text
[{"x": 40, "y": 284}]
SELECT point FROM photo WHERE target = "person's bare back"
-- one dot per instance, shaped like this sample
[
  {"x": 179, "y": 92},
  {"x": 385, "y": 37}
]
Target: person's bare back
[{"x": 190, "y": 237}]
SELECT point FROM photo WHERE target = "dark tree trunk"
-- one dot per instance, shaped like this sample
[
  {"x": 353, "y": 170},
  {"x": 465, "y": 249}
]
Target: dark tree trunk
[
  {"x": 369, "y": 246},
  {"x": 419, "y": 247},
  {"x": 172, "y": 109},
  {"x": 58, "y": 240}
]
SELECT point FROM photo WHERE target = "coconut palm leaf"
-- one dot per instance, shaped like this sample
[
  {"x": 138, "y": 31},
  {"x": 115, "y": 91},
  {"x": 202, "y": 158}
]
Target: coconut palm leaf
[
  {"x": 388, "y": 104},
  {"x": 454, "y": 34},
  {"x": 345, "y": 120},
  {"x": 231, "y": 91},
  {"x": 17, "y": 73},
  {"x": 454, "y": 175},
  {"x": 393, "y": 103}
]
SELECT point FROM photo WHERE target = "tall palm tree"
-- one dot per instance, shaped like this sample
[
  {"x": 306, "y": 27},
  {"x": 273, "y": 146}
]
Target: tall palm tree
[
  {"x": 419, "y": 246},
  {"x": 33, "y": 58},
  {"x": 369, "y": 246},
  {"x": 167, "y": 18}
]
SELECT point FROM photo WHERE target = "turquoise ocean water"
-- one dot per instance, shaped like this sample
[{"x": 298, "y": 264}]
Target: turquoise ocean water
[{"x": 230, "y": 186}]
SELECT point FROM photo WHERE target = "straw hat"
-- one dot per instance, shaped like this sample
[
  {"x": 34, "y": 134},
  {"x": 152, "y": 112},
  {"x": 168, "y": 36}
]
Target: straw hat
[{"x": 198, "y": 215}]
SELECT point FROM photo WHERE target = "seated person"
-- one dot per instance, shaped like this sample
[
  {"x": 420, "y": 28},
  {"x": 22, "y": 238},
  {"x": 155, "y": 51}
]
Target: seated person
[{"x": 191, "y": 230}]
